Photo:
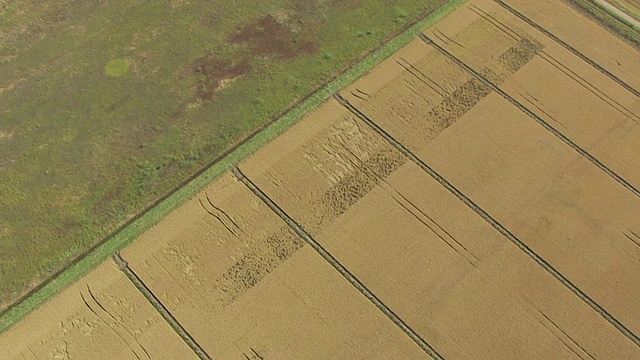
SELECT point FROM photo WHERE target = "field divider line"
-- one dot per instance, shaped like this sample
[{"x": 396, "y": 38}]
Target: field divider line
[
  {"x": 326, "y": 255},
  {"x": 492, "y": 221},
  {"x": 160, "y": 308},
  {"x": 568, "y": 47},
  {"x": 535, "y": 117}
]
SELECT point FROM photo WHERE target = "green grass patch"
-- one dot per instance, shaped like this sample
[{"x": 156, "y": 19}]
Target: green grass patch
[
  {"x": 627, "y": 7},
  {"x": 117, "y": 67},
  {"x": 143, "y": 143}
]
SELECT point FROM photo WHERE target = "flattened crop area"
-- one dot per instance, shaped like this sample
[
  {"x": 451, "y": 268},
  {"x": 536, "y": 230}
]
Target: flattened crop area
[{"x": 476, "y": 195}]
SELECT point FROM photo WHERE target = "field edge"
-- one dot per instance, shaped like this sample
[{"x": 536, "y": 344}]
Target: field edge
[
  {"x": 155, "y": 214},
  {"x": 620, "y": 15},
  {"x": 608, "y": 20}
]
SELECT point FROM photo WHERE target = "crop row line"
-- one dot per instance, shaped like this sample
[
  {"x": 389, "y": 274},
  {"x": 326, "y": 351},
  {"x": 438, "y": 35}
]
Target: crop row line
[
  {"x": 326, "y": 255},
  {"x": 160, "y": 308},
  {"x": 489, "y": 219}
]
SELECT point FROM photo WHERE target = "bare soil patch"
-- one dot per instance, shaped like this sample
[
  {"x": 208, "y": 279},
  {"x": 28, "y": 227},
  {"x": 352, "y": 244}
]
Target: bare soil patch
[{"x": 213, "y": 72}]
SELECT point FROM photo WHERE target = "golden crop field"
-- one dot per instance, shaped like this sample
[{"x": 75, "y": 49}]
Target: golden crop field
[{"x": 473, "y": 196}]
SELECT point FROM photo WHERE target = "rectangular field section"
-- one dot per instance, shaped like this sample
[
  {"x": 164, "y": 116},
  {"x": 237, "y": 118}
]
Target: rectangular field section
[
  {"x": 464, "y": 288},
  {"x": 582, "y": 103},
  {"x": 584, "y": 35},
  {"x": 240, "y": 280},
  {"x": 555, "y": 200}
]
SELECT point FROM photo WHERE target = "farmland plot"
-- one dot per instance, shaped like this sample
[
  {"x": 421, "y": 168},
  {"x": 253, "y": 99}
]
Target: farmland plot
[
  {"x": 585, "y": 35},
  {"x": 568, "y": 211},
  {"x": 240, "y": 280},
  {"x": 597, "y": 114},
  {"x": 429, "y": 258},
  {"x": 515, "y": 169},
  {"x": 471, "y": 192},
  {"x": 103, "y": 316}
]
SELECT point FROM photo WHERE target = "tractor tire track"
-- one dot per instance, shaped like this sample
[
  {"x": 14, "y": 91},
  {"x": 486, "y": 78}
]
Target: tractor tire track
[
  {"x": 117, "y": 322},
  {"x": 565, "y": 334},
  {"x": 160, "y": 308},
  {"x": 533, "y": 101},
  {"x": 426, "y": 78},
  {"x": 409, "y": 86},
  {"x": 436, "y": 30},
  {"x": 564, "y": 342},
  {"x": 358, "y": 96},
  {"x": 109, "y": 326},
  {"x": 395, "y": 194},
  {"x": 635, "y": 240},
  {"x": 411, "y": 71},
  {"x": 219, "y": 219},
  {"x": 223, "y": 213}
]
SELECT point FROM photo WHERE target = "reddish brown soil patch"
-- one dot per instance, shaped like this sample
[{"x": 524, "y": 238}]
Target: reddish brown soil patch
[
  {"x": 212, "y": 72},
  {"x": 268, "y": 37}
]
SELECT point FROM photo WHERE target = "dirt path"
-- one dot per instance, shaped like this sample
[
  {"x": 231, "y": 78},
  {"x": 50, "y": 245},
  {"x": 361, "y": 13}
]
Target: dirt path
[{"x": 619, "y": 13}]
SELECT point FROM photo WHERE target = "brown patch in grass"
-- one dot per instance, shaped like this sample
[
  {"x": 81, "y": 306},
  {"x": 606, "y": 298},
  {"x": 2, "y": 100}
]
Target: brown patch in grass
[
  {"x": 213, "y": 73},
  {"x": 271, "y": 37}
]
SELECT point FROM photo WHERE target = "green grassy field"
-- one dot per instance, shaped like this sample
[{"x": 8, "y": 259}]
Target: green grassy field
[{"x": 107, "y": 106}]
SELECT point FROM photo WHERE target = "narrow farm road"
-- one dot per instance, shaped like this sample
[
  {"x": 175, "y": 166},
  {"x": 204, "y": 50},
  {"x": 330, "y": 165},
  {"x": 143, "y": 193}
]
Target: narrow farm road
[{"x": 630, "y": 20}]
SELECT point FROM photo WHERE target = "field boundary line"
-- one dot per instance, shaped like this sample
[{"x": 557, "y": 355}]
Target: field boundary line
[
  {"x": 149, "y": 217},
  {"x": 489, "y": 219},
  {"x": 534, "y": 116},
  {"x": 326, "y": 255},
  {"x": 160, "y": 308},
  {"x": 569, "y": 47}
]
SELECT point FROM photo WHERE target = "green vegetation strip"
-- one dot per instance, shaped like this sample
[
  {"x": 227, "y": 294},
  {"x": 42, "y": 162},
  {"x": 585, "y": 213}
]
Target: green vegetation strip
[
  {"x": 155, "y": 214},
  {"x": 629, "y": 7},
  {"x": 608, "y": 20},
  {"x": 618, "y": 12}
]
